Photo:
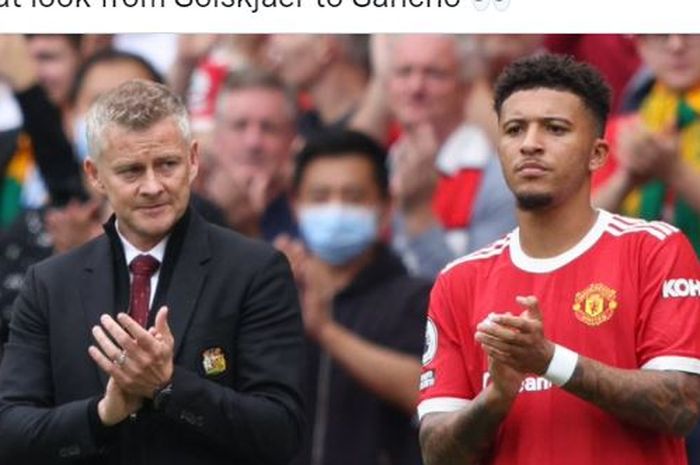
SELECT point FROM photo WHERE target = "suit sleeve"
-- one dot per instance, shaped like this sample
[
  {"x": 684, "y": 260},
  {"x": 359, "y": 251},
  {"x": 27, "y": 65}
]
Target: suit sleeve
[
  {"x": 32, "y": 429},
  {"x": 259, "y": 420}
]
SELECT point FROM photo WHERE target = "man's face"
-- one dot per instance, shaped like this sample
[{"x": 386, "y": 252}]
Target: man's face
[
  {"x": 57, "y": 64},
  {"x": 253, "y": 134},
  {"x": 548, "y": 146},
  {"x": 347, "y": 179},
  {"x": 425, "y": 84},
  {"x": 146, "y": 176},
  {"x": 298, "y": 58},
  {"x": 673, "y": 58}
]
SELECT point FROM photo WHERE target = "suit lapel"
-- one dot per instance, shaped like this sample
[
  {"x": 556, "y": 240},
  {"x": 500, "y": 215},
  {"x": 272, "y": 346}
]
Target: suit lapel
[
  {"x": 97, "y": 291},
  {"x": 187, "y": 280}
]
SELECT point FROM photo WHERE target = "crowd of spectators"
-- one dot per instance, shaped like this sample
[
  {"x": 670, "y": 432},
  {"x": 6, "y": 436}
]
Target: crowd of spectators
[{"x": 386, "y": 142}]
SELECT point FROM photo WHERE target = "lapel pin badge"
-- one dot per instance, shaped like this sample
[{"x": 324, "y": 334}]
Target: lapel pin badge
[{"x": 214, "y": 361}]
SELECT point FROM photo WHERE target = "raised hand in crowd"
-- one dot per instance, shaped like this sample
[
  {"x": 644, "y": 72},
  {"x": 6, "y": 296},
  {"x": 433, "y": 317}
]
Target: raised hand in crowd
[
  {"x": 413, "y": 175},
  {"x": 296, "y": 254},
  {"x": 74, "y": 224},
  {"x": 191, "y": 48},
  {"x": 316, "y": 284},
  {"x": 646, "y": 155},
  {"x": 243, "y": 197},
  {"x": 373, "y": 116}
]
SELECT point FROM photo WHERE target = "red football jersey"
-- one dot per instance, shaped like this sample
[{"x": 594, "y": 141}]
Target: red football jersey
[{"x": 627, "y": 295}]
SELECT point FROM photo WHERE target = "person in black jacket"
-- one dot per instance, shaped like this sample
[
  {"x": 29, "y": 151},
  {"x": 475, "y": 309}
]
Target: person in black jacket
[
  {"x": 212, "y": 375},
  {"x": 363, "y": 315}
]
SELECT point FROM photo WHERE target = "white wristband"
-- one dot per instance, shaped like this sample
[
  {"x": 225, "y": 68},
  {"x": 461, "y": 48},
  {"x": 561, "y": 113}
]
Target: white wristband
[{"x": 562, "y": 366}]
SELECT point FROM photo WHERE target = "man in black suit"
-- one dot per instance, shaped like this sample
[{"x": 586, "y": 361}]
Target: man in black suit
[{"x": 91, "y": 375}]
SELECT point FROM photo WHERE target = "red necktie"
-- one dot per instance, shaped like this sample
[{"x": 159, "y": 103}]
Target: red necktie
[{"x": 142, "y": 268}]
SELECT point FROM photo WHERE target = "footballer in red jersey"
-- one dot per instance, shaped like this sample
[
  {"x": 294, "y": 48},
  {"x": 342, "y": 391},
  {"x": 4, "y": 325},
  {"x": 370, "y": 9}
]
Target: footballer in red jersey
[{"x": 576, "y": 338}]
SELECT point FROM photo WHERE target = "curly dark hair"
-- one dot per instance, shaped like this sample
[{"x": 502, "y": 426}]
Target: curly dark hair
[{"x": 558, "y": 72}]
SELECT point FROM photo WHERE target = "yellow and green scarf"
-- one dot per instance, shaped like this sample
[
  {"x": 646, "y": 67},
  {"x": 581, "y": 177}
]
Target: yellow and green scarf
[{"x": 661, "y": 109}]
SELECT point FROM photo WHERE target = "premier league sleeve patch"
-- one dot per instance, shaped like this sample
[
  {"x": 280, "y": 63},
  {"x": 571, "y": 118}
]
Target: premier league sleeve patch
[{"x": 431, "y": 342}]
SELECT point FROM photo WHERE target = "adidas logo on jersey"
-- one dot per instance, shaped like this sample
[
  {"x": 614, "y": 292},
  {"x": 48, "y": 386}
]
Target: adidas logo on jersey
[{"x": 681, "y": 288}]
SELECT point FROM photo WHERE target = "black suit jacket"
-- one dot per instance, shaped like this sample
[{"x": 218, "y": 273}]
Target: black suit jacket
[{"x": 226, "y": 294}]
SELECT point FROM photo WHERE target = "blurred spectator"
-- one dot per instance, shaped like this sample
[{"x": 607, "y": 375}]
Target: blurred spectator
[
  {"x": 23, "y": 244},
  {"x": 448, "y": 187},
  {"x": 57, "y": 58},
  {"x": 202, "y": 63},
  {"x": 10, "y": 114},
  {"x": 94, "y": 43},
  {"x": 653, "y": 171},
  {"x": 40, "y": 69},
  {"x": 249, "y": 173},
  {"x": 615, "y": 55},
  {"x": 499, "y": 50},
  {"x": 40, "y": 140},
  {"x": 331, "y": 69},
  {"x": 363, "y": 314}
]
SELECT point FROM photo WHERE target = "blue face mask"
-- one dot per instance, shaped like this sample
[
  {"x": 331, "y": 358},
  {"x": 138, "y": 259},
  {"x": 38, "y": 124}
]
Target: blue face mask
[
  {"x": 80, "y": 142},
  {"x": 337, "y": 233}
]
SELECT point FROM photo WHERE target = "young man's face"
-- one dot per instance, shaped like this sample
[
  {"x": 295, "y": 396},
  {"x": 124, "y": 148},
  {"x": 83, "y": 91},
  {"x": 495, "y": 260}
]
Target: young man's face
[
  {"x": 146, "y": 176},
  {"x": 345, "y": 179},
  {"x": 548, "y": 146},
  {"x": 57, "y": 62}
]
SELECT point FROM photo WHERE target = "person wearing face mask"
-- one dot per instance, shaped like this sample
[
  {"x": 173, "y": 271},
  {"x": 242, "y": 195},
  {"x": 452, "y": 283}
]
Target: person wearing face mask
[{"x": 363, "y": 315}]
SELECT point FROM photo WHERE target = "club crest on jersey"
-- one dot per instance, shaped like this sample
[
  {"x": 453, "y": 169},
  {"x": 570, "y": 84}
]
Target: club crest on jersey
[{"x": 595, "y": 305}]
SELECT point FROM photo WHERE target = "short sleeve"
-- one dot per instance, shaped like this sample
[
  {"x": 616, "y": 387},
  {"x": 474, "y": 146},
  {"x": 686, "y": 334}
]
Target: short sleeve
[
  {"x": 444, "y": 385},
  {"x": 668, "y": 329}
]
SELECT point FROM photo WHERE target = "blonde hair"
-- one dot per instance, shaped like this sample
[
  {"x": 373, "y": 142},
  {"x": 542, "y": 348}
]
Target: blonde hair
[{"x": 134, "y": 105}]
